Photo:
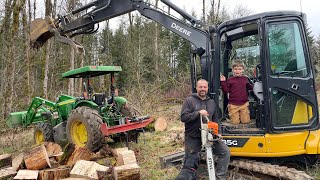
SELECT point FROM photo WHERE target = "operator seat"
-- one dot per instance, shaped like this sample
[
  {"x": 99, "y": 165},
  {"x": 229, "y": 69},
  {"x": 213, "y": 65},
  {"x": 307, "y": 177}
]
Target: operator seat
[{"x": 99, "y": 98}]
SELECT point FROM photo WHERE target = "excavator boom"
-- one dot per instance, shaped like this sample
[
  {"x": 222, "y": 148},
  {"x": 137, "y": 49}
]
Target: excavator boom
[{"x": 65, "y": 27}]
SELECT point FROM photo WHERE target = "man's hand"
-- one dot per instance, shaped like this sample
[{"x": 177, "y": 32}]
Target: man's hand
[{"x": 204, "y": 112}]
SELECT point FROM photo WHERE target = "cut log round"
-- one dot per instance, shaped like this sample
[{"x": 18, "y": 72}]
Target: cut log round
[
  {"x": 52, "y": 148},
  {"x": 126, "y": 157},
  {"x": 115, "y": 152},
  {"x": 87, "y": 169},
  {"x": 79, "y": 153},
  {"x": 160, "y": 124},
  {"x": 129, "y": 171},
  {"x": 37, "y": 158},
  {"x": 27, "y": 174},
  {"x": 54, "y": 174}
]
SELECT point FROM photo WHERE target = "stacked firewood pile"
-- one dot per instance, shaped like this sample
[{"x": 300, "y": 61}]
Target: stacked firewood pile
[{"x": 49, "y": 161}]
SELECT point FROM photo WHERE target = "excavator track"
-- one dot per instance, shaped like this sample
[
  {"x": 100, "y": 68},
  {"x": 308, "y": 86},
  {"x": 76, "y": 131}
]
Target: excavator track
[{"x": 251, "y": 169}]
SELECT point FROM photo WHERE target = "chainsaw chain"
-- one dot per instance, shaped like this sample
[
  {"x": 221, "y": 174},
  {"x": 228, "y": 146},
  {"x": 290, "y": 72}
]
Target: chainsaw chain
[{"x": 276, "y": 171}]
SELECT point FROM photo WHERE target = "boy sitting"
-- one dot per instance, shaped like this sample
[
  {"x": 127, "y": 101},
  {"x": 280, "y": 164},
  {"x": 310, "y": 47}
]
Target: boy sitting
[{"x": 237, "y": 87}]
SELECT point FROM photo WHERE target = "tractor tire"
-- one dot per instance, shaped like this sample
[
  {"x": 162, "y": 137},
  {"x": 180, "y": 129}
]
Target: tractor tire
[
  {"x": 43, "y": 132},
  {"x": 84, "y": 128}
]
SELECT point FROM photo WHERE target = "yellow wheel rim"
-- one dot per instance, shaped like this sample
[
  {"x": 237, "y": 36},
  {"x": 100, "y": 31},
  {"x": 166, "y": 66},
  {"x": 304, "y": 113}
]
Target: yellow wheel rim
[
  {"x": 79, "y": 133},
  {"x": 39, "y": 137}
]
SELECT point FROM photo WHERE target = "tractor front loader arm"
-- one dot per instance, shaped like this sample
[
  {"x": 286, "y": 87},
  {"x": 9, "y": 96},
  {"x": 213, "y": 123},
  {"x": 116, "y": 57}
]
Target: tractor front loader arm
[
  {"x": 37, "y": 110},
  {"x": 33, "y": 109}
]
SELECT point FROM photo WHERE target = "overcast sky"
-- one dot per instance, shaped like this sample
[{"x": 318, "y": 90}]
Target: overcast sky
[{"x": 310, "y": 7}]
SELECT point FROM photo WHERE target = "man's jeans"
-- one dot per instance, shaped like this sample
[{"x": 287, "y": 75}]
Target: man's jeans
[{"x": 220, "y": 150}]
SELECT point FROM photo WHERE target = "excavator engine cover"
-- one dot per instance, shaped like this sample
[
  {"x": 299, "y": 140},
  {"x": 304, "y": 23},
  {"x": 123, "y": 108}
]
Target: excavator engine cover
[{"x": 40, "y": 31}]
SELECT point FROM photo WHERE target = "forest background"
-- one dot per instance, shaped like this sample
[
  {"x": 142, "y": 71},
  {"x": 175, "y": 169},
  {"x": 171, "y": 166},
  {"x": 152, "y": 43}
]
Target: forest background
[{"x": 155, "y": 61}]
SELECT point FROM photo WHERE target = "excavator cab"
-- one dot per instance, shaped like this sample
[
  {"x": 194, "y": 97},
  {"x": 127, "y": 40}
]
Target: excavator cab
[{"x": 283, "y": 104}]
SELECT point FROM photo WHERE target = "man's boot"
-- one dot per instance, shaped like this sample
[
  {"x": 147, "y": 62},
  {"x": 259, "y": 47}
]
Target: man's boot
[{"x": 187, "y": 174}]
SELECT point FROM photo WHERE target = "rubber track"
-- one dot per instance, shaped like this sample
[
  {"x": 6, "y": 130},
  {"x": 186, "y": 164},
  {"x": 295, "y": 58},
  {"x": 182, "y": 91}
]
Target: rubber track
[
  {"x": 94, "y": 120},
  {"x": 276, "y": 171}
]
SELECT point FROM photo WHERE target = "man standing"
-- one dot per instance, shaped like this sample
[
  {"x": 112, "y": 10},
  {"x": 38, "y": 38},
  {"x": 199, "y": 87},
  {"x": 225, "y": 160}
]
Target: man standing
[{"x": 195, "y": 105}]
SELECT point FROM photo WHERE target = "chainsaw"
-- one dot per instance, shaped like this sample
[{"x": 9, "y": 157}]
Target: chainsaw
[{"x": 209, "y": 135}]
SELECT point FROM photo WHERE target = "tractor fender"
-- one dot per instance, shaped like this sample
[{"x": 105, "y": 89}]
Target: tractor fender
[{"x": 87, "y": 104}]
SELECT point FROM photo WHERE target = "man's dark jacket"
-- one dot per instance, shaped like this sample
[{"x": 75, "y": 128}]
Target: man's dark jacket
[{"x": 190, "y": 113}]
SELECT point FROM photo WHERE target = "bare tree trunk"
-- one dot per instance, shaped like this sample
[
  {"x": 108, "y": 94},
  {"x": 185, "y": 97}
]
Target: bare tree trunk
[
  {"x": 4, "y": 35},
  {"x": 212, "y": 7},
  {"x": 48, "y": 12},
  {"x": 217, "y": 15},
  {"x": 34, "y": 8},
  {"x": 26, "y": 51},
  {"x": 71, "y": 5},
  {"x": 9, "y": 91},
  {"x": 80, "y": 90},
  {"x": 71, "y": 80},
  {"x": 46, "y": 70},
  {"x": 157, "y": 55},
  {"x": 204, "y": 11}
]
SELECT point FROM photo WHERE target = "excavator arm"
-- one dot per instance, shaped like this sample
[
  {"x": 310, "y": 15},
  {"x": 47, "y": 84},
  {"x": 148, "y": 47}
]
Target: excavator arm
[{"x": 63, "y": 27}]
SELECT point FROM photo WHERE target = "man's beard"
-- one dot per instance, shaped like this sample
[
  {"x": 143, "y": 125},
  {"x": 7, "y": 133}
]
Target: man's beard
[{"x": 202, "y": 94}]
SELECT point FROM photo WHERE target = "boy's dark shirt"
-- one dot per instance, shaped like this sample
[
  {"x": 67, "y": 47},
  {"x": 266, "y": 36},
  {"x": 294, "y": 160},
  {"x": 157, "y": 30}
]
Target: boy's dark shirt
[
  {"x": 190, "y": 114},
  {"x": 237, "y": 87}
]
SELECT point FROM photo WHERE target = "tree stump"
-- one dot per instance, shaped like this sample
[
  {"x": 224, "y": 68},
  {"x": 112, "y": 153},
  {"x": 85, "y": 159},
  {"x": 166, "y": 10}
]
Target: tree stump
[
  {"x": 79, "y": 153},
  {"x": 160, "y": 124},
  {"x": 54, "y": 174},
  {"x": 5, "y": 160},
  {"x": 52, "y": 148},
  {"x": 86, "y": 169},
  {"x": 37, "y": 158},
  {"x": 126, "y": 157},
  {"x": 129, "y": 171},
  {"x": 27, "y": 174}
]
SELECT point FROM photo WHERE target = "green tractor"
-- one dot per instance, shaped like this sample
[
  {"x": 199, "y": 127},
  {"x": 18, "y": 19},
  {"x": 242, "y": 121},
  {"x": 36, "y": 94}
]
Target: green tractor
[{"x": 85, "y": 120}]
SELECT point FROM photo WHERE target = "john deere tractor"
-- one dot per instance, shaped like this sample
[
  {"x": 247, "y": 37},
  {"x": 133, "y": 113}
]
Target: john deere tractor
[{"x": 85, "y": 120}]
